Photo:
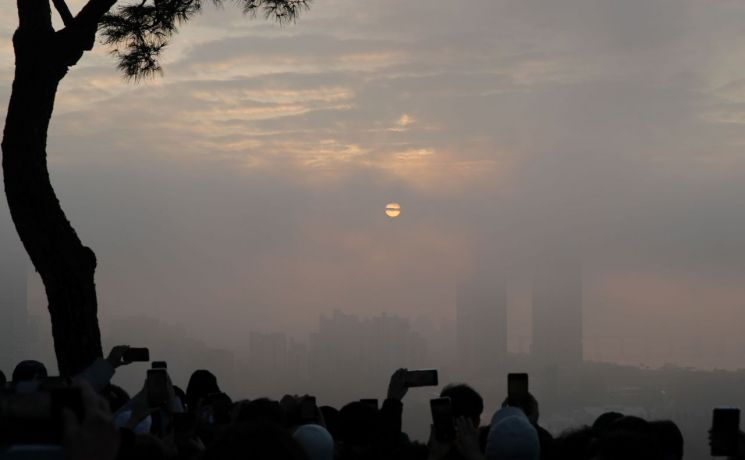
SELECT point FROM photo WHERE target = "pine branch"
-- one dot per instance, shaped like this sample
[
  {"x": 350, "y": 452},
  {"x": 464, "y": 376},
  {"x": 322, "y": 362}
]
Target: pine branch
[
  {"x": 140, "y": 32},
  {"x": 283, "y": 11}
]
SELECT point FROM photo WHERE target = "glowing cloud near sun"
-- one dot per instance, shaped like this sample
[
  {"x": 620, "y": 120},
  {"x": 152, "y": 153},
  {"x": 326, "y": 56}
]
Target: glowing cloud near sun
[
  {"x": 392, "y": 210},
  {"x": 405, "y": 120}
]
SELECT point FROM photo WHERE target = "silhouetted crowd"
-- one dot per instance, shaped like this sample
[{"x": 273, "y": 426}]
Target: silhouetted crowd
[{"x": 87, "y": 417}]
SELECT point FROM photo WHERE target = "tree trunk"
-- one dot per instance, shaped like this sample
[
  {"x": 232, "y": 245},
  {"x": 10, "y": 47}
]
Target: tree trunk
[{"x": 66, "y": 266}]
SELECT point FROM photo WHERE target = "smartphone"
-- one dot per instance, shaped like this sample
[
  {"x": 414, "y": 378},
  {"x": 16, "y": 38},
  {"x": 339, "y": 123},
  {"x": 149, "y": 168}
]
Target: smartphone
[
  {"x": 159, "y": 365},
  {"x": 725, "y": 429},
  {"x": 157, "y": 388},
  {"x": 421, "y": 378},
  {"x": 371, "y": 402},
  {"x": 132, "y": 355},
  {"x": 442, "y": 419},
  {"x": 517, "y": 388}
]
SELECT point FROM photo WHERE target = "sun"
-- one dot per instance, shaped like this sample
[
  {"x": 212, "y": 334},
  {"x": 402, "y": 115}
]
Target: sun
[{"x": 392, "y": 210}]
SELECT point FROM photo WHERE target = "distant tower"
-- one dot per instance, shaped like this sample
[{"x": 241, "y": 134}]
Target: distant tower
[
  {"x": 557, "y": 312},
  {"x": 13, "y": 297},
  {"x": 481, "y": 324}
]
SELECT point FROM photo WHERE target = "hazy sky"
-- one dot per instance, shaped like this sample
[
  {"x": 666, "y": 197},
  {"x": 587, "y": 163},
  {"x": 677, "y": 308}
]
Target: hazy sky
[{"x": 245, "y": 189}]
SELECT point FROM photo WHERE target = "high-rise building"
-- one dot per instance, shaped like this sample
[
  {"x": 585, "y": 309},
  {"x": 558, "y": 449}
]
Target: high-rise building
[
  {"x": 13, "y": 296},
  {"x": 557, "y": 312},
  {"x": 481, "y": 324}
]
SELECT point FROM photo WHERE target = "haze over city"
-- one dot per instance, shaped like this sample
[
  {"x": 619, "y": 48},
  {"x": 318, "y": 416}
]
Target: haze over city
[{"x": 245, "y": 189}]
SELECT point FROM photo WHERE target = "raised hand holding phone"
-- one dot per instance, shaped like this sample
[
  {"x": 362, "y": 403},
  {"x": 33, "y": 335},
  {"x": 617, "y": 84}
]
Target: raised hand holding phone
[
  {"x": 121, "y": 355},
  {"x": 517, "y": 389},
  {"x": 157, "y": 388},
  {"x": 397, "y": 388},
  {"x": 421, "y": 378},
  {"x": 725, "y": 432}
]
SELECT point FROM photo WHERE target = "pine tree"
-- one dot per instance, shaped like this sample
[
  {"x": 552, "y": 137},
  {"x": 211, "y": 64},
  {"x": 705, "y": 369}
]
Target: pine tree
[{"x": 138, "y": 33}]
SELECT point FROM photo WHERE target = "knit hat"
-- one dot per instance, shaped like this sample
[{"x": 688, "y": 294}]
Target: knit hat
[
  {"x": 512, "y": 437},
  {"x": 315, "y": 441}
]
